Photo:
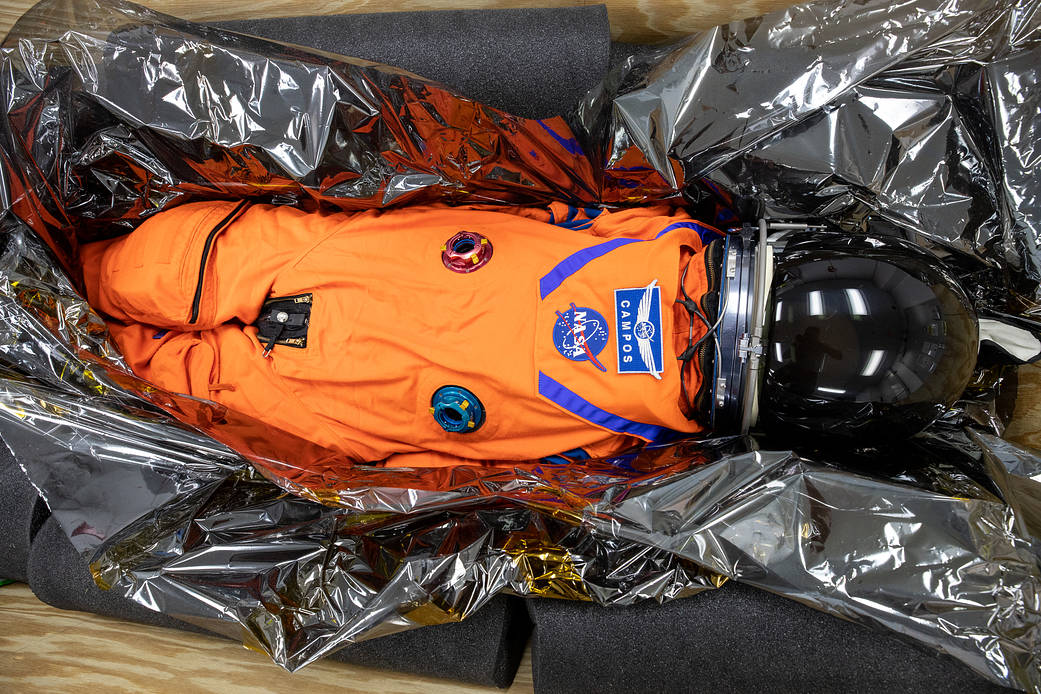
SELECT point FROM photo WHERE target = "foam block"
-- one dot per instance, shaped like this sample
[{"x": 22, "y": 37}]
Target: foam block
[
  {"x": 59, "y": 577},
  {"x": 484, "y": 649},
  {"x": 18, "y": 502},
  {"x": 531, "y": 62},
  {"x": 734, "y": 639}
]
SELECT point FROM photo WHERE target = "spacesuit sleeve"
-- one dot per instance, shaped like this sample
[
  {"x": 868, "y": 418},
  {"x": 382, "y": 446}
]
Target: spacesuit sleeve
[
  {"x": 643, "y": 222},
  {"x": 648, "y": 222},
  {"x": 608, "y": 446},
  {"x": 198, "y": 265}
]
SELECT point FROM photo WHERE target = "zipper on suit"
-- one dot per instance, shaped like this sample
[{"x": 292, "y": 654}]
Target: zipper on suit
[{"x": 207, "y": 247}]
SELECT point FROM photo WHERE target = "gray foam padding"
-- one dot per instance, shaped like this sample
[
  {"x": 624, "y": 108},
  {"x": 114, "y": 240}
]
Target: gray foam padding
[
  {"x": 59, "y": 577},
  {"x": 19, "y": 505},
  {"x": 534, "y": 63},
  {"x": 734, "y": 639},
  {"x": 484, "y": 649}
]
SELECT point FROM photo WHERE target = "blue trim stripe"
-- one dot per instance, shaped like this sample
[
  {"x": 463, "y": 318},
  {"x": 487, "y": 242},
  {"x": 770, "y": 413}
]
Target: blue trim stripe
[
  {"x": 573, "y": 221},
  {"x": 704, "y": 232},
  {"x": 567, "y": 457},
  {"x": 575, "y": 262},
  {"x": 582, "y": 408}
]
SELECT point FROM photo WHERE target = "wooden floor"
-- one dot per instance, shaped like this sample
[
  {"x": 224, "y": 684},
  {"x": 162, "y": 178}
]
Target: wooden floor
[
  {"x": 1025, "y": 427},
  {"x": 47, "y": 650},
  {"x": 43, "y": 649}
]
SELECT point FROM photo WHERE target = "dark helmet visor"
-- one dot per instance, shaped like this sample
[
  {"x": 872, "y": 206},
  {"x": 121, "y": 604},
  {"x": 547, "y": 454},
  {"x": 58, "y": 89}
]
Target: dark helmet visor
[{"x": 867, "y": 337}]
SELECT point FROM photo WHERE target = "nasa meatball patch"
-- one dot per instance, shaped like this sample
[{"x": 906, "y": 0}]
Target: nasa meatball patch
[
  {"x": 638, "y": 329},
  {"x": 580, "y": 334}
]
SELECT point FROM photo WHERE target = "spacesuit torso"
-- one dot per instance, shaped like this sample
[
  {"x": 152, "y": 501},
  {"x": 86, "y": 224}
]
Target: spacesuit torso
[{"x": 416, "y": 336}]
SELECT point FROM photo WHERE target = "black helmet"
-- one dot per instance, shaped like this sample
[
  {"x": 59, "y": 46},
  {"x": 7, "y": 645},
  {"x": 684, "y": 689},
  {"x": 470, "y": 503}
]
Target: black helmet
[{"x": 869, "y": 337}]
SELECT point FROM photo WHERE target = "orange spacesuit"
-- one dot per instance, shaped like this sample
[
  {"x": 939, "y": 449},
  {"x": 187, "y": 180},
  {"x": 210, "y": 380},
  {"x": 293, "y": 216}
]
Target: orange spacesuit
[{"x": 418, "y": 336}]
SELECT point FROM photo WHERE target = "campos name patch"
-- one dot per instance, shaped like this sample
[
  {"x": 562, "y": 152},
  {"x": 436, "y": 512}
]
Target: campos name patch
[{"x": 638, "y": 329}]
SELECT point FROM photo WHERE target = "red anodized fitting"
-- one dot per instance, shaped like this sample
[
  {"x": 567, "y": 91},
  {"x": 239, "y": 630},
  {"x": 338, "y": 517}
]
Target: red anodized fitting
[{"x": 466, "y": 251}]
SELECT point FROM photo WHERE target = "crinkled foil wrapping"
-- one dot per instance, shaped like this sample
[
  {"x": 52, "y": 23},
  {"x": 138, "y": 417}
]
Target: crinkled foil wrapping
[{"x": 921, "y": 115}]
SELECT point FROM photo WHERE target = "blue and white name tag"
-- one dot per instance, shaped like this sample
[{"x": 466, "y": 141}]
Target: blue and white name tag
[{"x": 638, "y": 330}]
